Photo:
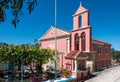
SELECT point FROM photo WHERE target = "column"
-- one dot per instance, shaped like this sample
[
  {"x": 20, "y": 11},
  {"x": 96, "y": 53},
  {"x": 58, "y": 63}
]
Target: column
[{"x": 75, "y": 66}]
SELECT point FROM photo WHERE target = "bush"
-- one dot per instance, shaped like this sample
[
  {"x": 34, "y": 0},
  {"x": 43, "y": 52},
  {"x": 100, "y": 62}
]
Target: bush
[
  {"x": 88, "y": 69},
  {"x": 66, "y": 73}
]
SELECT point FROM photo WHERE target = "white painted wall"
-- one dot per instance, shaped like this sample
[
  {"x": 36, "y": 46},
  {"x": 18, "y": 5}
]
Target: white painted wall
[
  {"x": 90, "y": 64},
  {"x": 3, "y": 66}
]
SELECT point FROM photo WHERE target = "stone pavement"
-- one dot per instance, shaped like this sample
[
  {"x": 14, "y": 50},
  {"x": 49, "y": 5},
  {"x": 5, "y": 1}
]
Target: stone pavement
[
  {"x": 25, "y": 80},
  {"x": 107, "y": 75}
]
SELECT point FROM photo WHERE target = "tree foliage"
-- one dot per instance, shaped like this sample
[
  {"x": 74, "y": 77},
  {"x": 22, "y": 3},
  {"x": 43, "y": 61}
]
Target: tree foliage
[
  {"x": 28, "y": 53},
  {"x": 115, "y": 54},
  {"x": 16, "y": 7}
]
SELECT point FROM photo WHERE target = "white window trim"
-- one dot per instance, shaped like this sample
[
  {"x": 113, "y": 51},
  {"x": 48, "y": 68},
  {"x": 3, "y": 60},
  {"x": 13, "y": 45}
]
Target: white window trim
[
  {"x": 97, "y": 50},
  {"x": 67, "y": 45},
  {"x": 105, "y": 50}
]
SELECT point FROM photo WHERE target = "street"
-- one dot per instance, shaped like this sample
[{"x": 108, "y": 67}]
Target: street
[{"x": 107, "y": 75}]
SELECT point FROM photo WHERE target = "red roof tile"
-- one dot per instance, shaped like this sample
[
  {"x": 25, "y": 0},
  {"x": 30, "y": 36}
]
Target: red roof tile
[{"x": 72, "y": 54}]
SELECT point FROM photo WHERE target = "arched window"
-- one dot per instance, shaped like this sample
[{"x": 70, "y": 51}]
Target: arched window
[
  {"x": 76, "y": 42},
  {"x": 83, "y": 40},
  {"x": 80, "y": 21}
]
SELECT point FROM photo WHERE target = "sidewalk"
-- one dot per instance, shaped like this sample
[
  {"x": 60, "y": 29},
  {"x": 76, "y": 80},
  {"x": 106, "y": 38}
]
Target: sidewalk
[{"x": 108, "y": 75}]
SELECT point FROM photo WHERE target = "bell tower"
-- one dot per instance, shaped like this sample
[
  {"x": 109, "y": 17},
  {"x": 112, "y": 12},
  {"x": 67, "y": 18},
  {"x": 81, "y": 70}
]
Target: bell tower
[
  {"x": 81, "y": 33},
  {"x": 81, "y": 18}
]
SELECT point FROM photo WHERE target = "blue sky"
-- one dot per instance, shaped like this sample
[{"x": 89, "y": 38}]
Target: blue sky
[{"x": 104, "y": 19}]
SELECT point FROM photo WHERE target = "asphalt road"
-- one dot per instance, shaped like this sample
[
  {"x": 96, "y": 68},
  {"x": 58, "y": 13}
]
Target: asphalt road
[{"x": 107, "y": 75}]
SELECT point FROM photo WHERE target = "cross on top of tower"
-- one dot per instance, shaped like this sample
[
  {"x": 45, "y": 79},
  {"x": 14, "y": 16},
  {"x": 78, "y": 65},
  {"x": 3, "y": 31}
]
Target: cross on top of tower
[
  {"x": 80, "y": 9},
  {"x": 80, "y": 3}
]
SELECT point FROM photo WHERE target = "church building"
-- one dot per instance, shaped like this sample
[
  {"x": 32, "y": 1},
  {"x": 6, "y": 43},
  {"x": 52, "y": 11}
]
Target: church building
[{"x": 77, "y": 49}]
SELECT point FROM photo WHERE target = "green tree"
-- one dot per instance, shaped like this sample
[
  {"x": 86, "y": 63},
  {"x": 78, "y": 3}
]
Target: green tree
[
  {"x": 28, "y": 53},
  {"x": 43, "y": 56},
  {"x": 16, "y": 7},
  {"x": 115, "y": 54},
  {"x": 4, "y": 49}
]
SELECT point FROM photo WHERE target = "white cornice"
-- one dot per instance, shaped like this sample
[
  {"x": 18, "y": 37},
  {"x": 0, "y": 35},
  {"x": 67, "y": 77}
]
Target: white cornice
[
  {"x": 96, "y": 42},
  {"x": 59, "y": 30}
]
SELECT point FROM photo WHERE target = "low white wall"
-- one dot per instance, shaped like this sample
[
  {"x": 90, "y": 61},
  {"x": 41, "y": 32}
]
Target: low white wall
[
  {"x": 3, "y": 66},
  {"x": 90, "y": 64}
]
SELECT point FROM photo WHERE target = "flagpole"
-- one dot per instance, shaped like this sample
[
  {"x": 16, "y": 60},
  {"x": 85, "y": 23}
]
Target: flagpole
[{"x": 55, "y": 39}]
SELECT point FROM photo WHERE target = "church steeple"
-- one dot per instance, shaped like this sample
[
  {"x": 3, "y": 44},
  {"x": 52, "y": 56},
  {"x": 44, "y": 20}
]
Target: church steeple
[{"x": 80, "y": 18}]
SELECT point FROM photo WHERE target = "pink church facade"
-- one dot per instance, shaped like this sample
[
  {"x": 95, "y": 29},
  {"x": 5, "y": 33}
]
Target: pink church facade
[{"x": 79, "y": 49}]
